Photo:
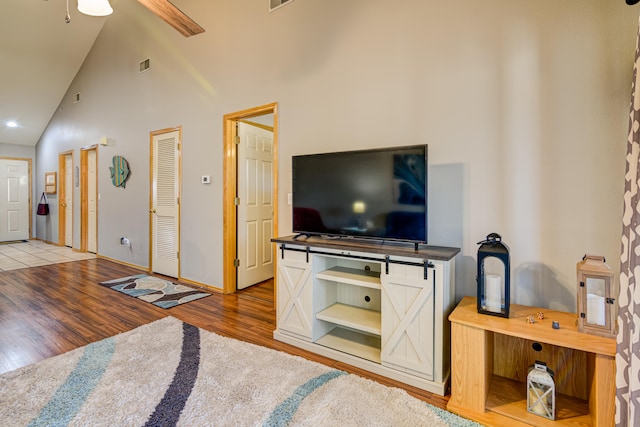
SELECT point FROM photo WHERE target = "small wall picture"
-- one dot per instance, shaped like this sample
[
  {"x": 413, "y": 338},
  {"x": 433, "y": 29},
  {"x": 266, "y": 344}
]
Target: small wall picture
[{"x": 50, "y": 182}]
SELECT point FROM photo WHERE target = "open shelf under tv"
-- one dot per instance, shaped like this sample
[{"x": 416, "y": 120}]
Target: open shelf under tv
[{"x": 348, "y": 300}]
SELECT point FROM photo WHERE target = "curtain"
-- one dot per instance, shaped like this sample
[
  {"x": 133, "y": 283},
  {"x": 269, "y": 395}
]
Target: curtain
[{"x": 628, "y": 341}]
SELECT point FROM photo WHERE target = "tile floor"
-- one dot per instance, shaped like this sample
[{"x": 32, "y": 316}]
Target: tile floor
[{"x": 34, "y": 253}]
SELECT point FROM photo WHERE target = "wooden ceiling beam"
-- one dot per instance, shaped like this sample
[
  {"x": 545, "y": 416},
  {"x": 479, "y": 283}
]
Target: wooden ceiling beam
[{"x": 173, "y": 16}]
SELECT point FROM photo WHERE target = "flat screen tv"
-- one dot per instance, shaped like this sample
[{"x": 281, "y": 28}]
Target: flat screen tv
[{"x": 377, "y": 194}]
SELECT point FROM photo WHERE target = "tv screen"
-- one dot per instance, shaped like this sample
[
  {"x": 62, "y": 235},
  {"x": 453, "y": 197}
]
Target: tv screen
[{"x": 379, "y": 194}]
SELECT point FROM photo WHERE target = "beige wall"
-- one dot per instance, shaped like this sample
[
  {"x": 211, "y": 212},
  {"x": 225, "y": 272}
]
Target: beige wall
[{"x": 523, "y": 104}]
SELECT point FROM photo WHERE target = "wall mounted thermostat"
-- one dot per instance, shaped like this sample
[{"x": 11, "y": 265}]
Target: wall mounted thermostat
[{"x": 206, "y": 179}]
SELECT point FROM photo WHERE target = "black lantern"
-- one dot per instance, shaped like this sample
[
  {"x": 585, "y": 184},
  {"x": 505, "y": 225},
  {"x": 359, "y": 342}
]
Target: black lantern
[{"x": 493, "y": 276}]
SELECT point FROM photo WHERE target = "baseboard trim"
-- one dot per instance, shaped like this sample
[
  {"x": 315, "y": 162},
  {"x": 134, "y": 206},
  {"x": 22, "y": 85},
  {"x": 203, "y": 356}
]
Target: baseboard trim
[
  {"x": 200, "y": 285},
  {"x": 146, "y": 269},
  {"x": 128, "y": 264}
]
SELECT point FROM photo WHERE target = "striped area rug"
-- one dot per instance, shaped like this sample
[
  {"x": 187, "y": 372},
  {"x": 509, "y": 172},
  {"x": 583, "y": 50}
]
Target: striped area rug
[{"x": 170, "y": 373}]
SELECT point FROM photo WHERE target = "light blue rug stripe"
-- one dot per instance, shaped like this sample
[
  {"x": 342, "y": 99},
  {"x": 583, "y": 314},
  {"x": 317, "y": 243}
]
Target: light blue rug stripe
[
  {"x": 71, "y": 395},
  {"x": 450, "y": 418},
  {"x": 285, "y": 411}
]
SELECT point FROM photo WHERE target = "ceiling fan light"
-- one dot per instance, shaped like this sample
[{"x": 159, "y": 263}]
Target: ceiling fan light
[{"x": 95, "y": 7}]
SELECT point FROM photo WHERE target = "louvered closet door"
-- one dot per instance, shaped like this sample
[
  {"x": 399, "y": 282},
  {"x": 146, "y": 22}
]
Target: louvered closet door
[{"x": 165, "y": 204}]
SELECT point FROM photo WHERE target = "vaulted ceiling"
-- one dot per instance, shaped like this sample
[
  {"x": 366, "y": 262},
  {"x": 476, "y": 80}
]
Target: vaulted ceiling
[{"x": 40, "y": 55}]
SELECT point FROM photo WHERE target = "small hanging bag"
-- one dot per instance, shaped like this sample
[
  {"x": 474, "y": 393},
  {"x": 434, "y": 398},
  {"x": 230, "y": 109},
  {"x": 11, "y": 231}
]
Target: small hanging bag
[{"x": 43, "y": 206}]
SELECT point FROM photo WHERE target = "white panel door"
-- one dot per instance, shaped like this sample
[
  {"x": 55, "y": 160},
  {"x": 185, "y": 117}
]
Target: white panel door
[
  {"x": 408, "y": 320},
  {"x": 92, "y": 201},
  {"x": 255, "y": 211},
  {"x": 14, "y": 200},
  {"x": 165, "y": 204},
  {"x": 68, "y": 202}
]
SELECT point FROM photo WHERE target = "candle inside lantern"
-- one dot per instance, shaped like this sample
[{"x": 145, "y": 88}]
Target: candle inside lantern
[
  {"x": 539, "y": 401},
  {"x": 595, "y": 310},
  {"x": 541, "y": 391},
  {"x": 493, "y": 292}
]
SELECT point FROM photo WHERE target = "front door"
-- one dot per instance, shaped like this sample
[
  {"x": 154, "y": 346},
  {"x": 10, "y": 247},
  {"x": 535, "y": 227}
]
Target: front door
[
  {"x": 255, "y": 208},
  {"x": 14, "y": 199},
  {"x": 165, "y": 202}
]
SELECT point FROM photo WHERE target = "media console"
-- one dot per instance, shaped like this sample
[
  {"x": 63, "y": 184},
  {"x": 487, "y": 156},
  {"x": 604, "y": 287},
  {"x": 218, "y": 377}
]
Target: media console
[{"x": 381, "y": 307}]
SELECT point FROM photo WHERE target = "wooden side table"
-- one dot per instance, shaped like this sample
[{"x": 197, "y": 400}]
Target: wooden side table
[{"x": 490, "y": 357}]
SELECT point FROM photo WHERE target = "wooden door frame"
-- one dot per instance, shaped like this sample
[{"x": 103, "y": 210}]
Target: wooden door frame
[
  {"x": 29, "y": 164},
  {"x": 152, "y": 135},
  {"x": 62, "y": 196},
  {"x": 84, "y": 197},
  {"x": 230, "y": 188}
]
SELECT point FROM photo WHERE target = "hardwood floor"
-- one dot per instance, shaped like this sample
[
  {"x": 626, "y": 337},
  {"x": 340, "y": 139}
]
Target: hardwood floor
[{"x": 49, "y": 310}]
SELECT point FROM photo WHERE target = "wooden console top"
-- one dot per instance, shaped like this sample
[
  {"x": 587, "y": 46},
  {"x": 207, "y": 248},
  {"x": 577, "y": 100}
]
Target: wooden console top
[
  {"x": 424, "y": 252},
  {"x": 466, "y": 313}
]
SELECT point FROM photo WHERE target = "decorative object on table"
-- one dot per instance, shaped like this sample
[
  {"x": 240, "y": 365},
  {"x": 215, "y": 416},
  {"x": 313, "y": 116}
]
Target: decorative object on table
[
  {"x": 540, "y": 315},
  {"x": 50, "y": 182},
  {"x": 555, "y": 324},
  {"x": 541, "y": 391},
  {"x": 493, "y": 276},
  {"x": 597, "y": 308},
  {"x": 531, "y": 320},
  {"x": 119, "y": 171},
  {"x": 43, "y": 206}
]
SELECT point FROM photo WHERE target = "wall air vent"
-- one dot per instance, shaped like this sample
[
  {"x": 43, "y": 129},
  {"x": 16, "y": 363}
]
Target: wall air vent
[
  {"x": 145, "y": 65},
  {"x": 276, "y": 4},
  {"x": 76, "y": 98}
]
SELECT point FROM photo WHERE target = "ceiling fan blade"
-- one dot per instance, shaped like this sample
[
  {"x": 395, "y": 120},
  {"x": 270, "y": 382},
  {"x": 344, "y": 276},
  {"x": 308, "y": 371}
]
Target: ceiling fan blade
[{"x": 173, "y": 16}]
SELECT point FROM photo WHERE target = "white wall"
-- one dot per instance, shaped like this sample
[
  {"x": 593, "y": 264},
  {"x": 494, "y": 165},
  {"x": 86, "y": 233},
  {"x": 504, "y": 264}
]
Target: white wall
[
  {"x": 524, "y": 105},
  {"x": 13, "y": 150}
]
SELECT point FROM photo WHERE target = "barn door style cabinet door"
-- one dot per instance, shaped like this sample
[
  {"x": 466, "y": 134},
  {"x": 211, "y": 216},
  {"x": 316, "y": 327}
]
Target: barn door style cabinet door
[
  {"x": 294, "y": 298},
  {"x": 408, "y": 298},
  {"x": 382, "y": 308}
]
